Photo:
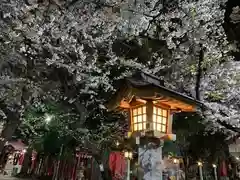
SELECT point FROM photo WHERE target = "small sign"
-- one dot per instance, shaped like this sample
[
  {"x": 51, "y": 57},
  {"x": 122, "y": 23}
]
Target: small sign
[
  {"x": 101, "y": 167},
  {"x": 137, "y": 140}
]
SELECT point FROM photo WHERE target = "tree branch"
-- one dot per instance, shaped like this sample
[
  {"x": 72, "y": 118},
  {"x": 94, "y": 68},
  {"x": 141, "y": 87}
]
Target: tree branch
[
  {"x": 228, "y": 126},
  {"x": 199, "y": 72}
]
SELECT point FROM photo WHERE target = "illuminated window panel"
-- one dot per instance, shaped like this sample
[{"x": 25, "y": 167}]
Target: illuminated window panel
[
  {"x": 164, "y": 113},
  {"x": 164, "y": 120},
  {"x": 160, "y": 119},
  {"x": 154, "y": 110},
  {"x": 135, "y": 119},
  {"x": 144, "y": 109},
  {"x": 139, "y": 118},
  {"x": 144, "y": 117},
  {"x": 139, "y": 111},
  {"x": 163, "y": 128},
  {"x": 159, "y": 112},
  {"x": 154, "y": 118},
  {"x": 135, "y": 127},
  {"x": 144, "y": 125},
  {"x": 134, "y": 112},
  {"x": 154, "y": 126}
]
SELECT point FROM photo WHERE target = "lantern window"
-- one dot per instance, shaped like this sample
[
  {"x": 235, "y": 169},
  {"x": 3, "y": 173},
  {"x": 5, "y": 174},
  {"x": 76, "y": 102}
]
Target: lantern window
[
  {"x": 139, "y": 118},
  {"x": 159, "y": 119}
]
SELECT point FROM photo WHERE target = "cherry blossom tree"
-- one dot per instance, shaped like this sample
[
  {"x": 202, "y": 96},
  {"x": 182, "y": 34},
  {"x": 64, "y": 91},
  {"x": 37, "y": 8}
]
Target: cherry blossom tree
[{"x": 74, "y": 51}]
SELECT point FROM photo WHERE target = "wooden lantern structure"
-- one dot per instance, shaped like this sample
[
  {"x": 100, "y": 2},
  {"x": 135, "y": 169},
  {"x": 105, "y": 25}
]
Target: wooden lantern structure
[{"x": 150, "y": 105}]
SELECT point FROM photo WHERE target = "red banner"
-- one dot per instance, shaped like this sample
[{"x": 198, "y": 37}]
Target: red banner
[{"x": 117, "y": 165}]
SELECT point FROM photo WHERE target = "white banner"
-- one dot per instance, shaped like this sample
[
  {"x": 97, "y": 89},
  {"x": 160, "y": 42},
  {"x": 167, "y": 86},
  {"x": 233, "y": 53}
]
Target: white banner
[{"x": 150, "y": 160}]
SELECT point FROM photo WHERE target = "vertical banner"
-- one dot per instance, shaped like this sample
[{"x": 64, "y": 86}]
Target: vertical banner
[
  {"x": 150, "y": 160},
  {"x": 117, "y": 165}
]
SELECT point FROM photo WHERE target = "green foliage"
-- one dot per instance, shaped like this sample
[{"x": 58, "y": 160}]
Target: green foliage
[
  {"x": 215, "y": 96},
  {"x": 48, "y": 136},
  {"x": 66, "y": 128},
  {"x": 194, "y": 143}
]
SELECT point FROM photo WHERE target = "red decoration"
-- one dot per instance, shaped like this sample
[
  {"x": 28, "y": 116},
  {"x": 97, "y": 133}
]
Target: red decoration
[
  {"x": 21, "y": 158},
  {"x": 223, "y": 169},
  {"x": 117, "y": 165}
]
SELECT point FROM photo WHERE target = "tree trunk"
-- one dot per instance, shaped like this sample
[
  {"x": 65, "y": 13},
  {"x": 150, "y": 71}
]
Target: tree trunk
[
  {"x": 186, "y": 164},
  {"x": 99, "y": 157},
  {"x": 199, "y": 72},
  {"x": 8, "y": 131},
  {"x": 106, "y": 174}
]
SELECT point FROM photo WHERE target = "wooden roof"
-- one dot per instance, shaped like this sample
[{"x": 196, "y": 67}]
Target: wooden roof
[{"x": 142, "y": 87}]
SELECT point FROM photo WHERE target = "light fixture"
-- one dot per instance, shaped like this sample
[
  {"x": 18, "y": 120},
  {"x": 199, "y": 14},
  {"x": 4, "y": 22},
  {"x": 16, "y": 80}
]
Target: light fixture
[
  {"x": 158, "y": 118},
  {"x": 128, "y": 154},
  {"x": 117, "y": 143},
  {"x": 175, "y": 161},
  {"x": 48, "y": 118},
  {"x": 24, "y": 151},
  {"x": 139, "y": 118},
  {"x": 199, "y": 163},
  {"x": 237, "y": 158},
  {"x": 214, "y": 165},
  {"x": 10, "y": 157}
]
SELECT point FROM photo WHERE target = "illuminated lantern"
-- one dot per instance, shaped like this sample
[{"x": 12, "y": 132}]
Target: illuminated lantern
[{"x": 150, "y": 105}]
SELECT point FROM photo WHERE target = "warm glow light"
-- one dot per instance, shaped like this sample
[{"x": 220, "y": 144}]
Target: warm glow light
[
  {"x": 117, "y": 143},
  {"x": 10, "y": 157},
  {"x": 139, "y": 118},
  {"x": 199, "y": 163},
  {"x": 144, "y": 110},
  {"x": 128, "y": 155},
  {"x": 24, "y": 151},
  {"x": 175, "y": 161},
  {"x": 237, "y": 158},
  {"x": 159, "y": 119},
  {"x": 214, "y": 165}
]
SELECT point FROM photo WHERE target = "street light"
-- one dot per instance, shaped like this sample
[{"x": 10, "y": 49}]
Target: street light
[
  {"x": 48, "y": 118},
  {"x": 176, "y": 162},
  {"x": 200, "y": 170},
  {"x": 199, "y": 164},
  {"x": 215, "y": 170},
  {"x": 128, "y": 155}
]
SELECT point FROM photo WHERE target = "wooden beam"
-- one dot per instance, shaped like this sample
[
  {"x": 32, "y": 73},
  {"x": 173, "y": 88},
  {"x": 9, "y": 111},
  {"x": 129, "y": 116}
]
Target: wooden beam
[
  {"x": 124, "y": 104},
  {"x": 141, "y": 100},
  {"x": 162, "y": 105}
]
